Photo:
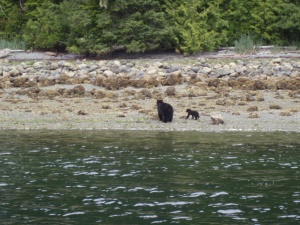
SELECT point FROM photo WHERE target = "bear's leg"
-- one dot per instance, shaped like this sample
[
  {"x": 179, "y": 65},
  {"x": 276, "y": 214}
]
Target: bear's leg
[{"x": 160, "y": 117}]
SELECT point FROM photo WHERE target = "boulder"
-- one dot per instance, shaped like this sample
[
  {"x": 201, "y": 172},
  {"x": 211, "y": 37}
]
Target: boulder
[
  {"x": 4, "y": 53},
  {"x": 217, "y": 120}
]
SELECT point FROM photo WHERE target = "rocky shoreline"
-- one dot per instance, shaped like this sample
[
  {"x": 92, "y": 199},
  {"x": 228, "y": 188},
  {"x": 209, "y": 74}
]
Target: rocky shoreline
[{"x": 249, "y": 94}]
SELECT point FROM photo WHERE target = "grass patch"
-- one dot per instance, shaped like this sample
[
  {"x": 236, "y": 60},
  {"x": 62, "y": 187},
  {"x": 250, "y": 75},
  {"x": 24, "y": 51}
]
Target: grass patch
[
  {"x": 12, "y": 44},
  {"x": 246, "y": 44}
]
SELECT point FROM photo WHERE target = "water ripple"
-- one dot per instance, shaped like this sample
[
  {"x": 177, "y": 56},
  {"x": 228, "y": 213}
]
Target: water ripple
[
  {"x": 230, "y": 211},
  {"x": 218, "y": 194},
  {"x": 74, "y": 213}
]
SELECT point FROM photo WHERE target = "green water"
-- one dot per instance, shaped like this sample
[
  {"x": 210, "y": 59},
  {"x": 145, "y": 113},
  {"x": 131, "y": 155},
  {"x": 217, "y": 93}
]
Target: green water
[{"x": 149, "y": 178}]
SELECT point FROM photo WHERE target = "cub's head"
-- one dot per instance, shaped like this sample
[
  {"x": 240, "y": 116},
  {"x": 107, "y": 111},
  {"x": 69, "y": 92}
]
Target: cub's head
[{"x": 188, "y": 110}]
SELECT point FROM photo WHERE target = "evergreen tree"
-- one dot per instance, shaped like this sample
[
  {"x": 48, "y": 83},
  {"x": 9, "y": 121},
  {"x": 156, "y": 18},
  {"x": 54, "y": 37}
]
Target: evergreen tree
[
  {"x": 199, "y": 24},
  {"x": 289, "y": 22},
  {"x": 189, "y": 26},
  {"x": 264, "y": 17},
  {"x": 12, "y": 17},
  {"x": 237, "y": 13},
  {"x": 133, "y": 26},
  {"x": 44, "y": 29}
]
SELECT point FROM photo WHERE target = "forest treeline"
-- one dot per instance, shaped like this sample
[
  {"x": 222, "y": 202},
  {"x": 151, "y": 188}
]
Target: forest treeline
[{"x": 186, "y": 26}]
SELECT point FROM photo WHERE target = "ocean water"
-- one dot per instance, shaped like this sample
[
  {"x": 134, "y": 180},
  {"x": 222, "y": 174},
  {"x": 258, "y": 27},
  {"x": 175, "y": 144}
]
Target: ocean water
[{"x": 134, "y": 177}]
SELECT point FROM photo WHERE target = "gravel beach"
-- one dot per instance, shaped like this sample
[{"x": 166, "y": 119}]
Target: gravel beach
[{"x": 130, "y": 107}]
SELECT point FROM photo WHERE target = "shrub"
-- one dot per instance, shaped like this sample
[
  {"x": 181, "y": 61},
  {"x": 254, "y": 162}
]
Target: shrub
[
  {"x": 246, "y": 44},
  {"x": 12, "y": 44}
]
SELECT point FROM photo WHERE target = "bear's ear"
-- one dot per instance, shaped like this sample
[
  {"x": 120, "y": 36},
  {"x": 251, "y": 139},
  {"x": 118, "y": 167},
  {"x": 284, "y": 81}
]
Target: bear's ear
[{"x": 158, "y": 100}]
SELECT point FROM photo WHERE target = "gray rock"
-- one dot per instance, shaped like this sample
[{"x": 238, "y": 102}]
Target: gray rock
[
  {"x": 223, "y": 72},
  {"x": 54, "y": 66},
  {"x": 5, "y": 52},
  {"x": 71, "y": 74},
  {"x": 14, "y": 72},
  {"x": 124, "y": 69},
  {"x": 108, "y": 73},
  {"x": 114, "y": 68},
  {"x": 93, "y": 67},
  {"x": 83, "y": 66},
  {"x": 53, "y": 76},
  {"x": 277, "y": 60},
  {"x": 205, "y": 70},
  {"x": 152, "y": 71},
  {"x": 117, "y": 63},
  {"x": 130, "y": 65},
  {"x": 37, "y": 65},
  {"x": 140, "y": 74},
  {"x": 195, "y": 69}
]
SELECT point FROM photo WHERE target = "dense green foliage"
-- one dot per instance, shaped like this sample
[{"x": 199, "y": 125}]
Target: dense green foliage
[{"x": 187, "y": 26}]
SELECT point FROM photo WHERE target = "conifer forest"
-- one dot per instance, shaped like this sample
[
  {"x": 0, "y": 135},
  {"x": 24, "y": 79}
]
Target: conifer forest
[{"x": 134, "y": 26}]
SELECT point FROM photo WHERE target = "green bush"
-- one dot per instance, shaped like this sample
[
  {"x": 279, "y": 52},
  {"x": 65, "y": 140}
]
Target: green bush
[{"x": 246, "y": 44}]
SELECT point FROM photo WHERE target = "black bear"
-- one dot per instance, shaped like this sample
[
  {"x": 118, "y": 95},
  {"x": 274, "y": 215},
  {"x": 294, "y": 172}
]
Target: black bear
[
  {"x": 165, "y": 111},
  {"x": 194, "y": 114}
]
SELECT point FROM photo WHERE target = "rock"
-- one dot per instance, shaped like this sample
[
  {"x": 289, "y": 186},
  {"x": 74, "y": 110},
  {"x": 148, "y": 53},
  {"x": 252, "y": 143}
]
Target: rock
[
  {"x": 202, "y": 60},
  {"x": 71, "y": 74},
  {"x": 100, "y": 94},
  {"x": 232, "y": 64},
  {"x": 121, "y": 114},
  {"x": 252, "y": 109},
  {"x": 117, "y": 63},
  {"x": 37, "y": 65},
  {"x": 78, "y": 90},
  {"x": 19, "y": 81},
  {"x": 277, "y": 60},
  {"x": 51, "y": 53},
  {"x": 52, "y": 93},
  {"x": 14, "y": 72},
  {"x": 205, "y": 70},
  {"x": 82, "y": 112},
  {"x": 158, "y": 64},
  {"x": 214, "y": 82},
  {"x": 108, "y": 73},
  {"x": 5, "y": 52},
  {"x": 146, "y": 93},
  {"x": 105, "y": 106},
  {"x": 140, "y": 74},
  {"x": 195, "y": 69},
  {"x": 152, "y": 71},
  {"x": 274, "y": 107},
  {"x": 174, "y": 78},
  {"x": 54, "y": 66},
  {"x": 170, "y": 91},
  {"x": 220, "y": 102},
  {"x": 259, "y": 97},
  {"x": 124, "y": 69},
  {"x": 223, "y": 72},
  {"x": 217, "y": 120},
  {"x": 285, "y": 113},
  {"x": 253, "y": 115},
  {"x": 242, "y": 103},
  {"x": 247, "y": 98}
]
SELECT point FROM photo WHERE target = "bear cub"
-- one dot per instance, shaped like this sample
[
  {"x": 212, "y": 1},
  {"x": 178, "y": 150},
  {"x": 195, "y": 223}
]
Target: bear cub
[
  {"x": 165, "y": 111},
  {"x": 193, "y": 113}
]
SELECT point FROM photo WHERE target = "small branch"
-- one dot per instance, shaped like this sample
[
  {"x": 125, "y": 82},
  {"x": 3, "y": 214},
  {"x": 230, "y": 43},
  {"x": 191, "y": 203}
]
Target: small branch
[
  {"x": 21, "y": 7},
  {"x": 3, "y": 12}
]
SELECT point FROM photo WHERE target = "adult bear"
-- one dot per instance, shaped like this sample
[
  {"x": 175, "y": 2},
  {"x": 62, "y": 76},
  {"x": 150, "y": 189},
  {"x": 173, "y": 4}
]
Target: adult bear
[{"x": 165, "y": 111}]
